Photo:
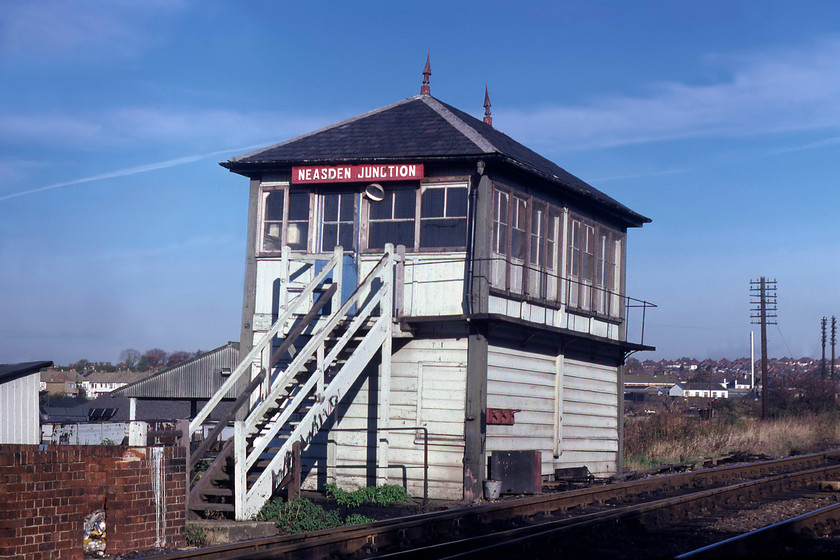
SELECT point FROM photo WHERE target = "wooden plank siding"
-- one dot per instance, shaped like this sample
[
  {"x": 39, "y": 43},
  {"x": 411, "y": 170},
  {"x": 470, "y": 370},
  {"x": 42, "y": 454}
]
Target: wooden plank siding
[
  {"x": 522, "y": 380},
  {"x": 434, "y": 282},
  {"x": 428, "y": 383},
  {"x": 590, "y": 417}
]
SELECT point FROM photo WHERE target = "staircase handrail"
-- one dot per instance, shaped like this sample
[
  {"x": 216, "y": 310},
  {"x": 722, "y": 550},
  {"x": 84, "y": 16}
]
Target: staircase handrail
[
  {"x": 308, "y": 351},
  {"x": 265, "y": 340},
  {"x": 261, "y": 489}
]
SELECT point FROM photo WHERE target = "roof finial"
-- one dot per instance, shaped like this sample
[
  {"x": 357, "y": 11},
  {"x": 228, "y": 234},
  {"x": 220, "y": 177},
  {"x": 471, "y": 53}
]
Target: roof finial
[
  {"x": 427, "y": 71},
  {"x": 487, "y": 118}
]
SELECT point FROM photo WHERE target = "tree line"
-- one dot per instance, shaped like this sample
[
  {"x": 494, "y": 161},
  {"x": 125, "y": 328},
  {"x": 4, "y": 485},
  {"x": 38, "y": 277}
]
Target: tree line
[{"x": 134, "y": 360}]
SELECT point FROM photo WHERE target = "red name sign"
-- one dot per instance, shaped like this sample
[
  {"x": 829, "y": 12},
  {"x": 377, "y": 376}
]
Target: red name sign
[{"x": 354, "y": 173}]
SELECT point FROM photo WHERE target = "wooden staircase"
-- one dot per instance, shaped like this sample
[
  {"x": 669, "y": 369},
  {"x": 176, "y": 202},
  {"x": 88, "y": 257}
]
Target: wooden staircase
[{"x": 294, "y": 377}]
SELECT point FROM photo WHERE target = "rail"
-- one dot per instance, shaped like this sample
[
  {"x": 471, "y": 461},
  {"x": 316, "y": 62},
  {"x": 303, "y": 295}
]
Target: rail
[{"x": 412, "y": 534}]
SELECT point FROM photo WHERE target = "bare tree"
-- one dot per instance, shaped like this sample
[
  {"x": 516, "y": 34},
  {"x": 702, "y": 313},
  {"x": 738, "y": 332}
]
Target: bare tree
[
  {"x": 130, "y": 357},
  {"x": 155, "y": 357},
  {"x": 177, "y": 357}
]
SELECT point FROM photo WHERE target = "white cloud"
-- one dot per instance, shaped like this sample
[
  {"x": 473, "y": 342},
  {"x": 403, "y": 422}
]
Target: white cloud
[
  {"x": 131, "y": 171},
  {"x": 768, "y": 93}
]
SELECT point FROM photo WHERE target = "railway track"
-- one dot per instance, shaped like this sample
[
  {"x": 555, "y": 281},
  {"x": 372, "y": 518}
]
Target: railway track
[{"x": 585, "y": 523}]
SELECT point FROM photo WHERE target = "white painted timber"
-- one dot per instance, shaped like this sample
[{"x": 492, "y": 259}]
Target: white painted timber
[
  {"x": 587, "y": 432},
  {"x": 428, "y": 384},
  {"x": 19, "y": 417},
  {"x": 434, "y": 283}
]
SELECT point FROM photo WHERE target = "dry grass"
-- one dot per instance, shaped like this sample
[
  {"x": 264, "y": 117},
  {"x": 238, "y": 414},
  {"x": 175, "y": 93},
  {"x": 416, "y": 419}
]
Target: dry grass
[{"x": 675, "y": 438}]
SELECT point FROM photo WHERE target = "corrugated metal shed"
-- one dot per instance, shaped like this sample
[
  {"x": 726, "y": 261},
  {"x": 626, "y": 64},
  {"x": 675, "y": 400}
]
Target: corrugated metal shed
[{"x": 198, "y": 378}]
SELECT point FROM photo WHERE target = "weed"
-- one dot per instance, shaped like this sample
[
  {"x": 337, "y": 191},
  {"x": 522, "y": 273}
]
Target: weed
[
  {"x": 298, "y": 516},
  {"x": 195, "y": 535},
  {"x": 357, "y": 519},
  {"x": 673, "y": 437},
  {"x": 379, "y": 495}
]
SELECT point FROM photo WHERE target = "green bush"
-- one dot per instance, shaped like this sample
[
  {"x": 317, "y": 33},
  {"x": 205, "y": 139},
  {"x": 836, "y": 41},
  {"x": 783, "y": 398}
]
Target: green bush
[
  {"x": 298, "y": 516},
  {"x": 379, "y": 495}
]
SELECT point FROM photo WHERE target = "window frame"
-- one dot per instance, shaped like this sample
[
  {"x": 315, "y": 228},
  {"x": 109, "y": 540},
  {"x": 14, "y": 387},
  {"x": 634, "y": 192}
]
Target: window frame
[
  {"x": 267, "y": 188},
  {"x": 598, "y": 289},
  {"x": 579, "y": 273}
]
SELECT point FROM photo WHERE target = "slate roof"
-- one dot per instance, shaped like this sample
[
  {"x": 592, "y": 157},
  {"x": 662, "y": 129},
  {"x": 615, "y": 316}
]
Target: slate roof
[{"x": 420, "y": 127}]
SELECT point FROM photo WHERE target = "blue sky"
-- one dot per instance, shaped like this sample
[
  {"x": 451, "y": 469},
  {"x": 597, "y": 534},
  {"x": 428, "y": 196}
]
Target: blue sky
[{"x": 118, "y": 229}]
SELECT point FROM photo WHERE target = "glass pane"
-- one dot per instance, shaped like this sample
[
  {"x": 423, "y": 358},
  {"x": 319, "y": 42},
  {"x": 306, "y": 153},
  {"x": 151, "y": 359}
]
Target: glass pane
[
  {"x": 271, "y": 236},
  {"x": 500, "y": 238},
  {"x": 405, "y": 203},
  {"x": 398, "y": 233},
  {"x": 517, "y": 244},
  {"x": 501, "y": 206},
  {"x": 331, "y": 207},
  {"x": 274, "y": 205},
  {"x": 299, "y": 205},
  {"x": 382, "y": 210},
  {"x": 296, "y": 235},
  {"x": 345, "y": 236},
  {"x": 347, "y": 204},
  {"x": 432, "y": 206},
  {"x": 329, "y": 237},
  {"x": 443, "y": 233},
  {"x": 456, "y": 202}
]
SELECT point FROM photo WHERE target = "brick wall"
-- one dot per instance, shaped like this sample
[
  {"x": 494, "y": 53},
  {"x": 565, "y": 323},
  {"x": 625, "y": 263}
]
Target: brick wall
[{"x": 47, "y": 491}]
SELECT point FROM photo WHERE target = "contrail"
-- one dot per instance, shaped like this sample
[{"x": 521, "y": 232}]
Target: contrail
[{"x": 131, "y": 171}]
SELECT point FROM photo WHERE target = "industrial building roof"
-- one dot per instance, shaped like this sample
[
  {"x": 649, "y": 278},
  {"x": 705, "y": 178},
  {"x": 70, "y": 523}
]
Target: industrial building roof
[
  {"x": 420, "y": 127},
  {"x": 9, "y": 372},
  {"x": 198, "y": 378}
]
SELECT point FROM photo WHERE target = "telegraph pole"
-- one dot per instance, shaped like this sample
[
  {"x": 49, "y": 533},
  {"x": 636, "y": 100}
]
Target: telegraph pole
[
  {"x": 763, "y": 311},
  {"x": 833, "y": 342},
  {"x": 822, "y": 342}
]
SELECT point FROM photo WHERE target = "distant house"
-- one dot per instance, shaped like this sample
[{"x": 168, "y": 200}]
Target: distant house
[
  {"x": 643, "y": 388},
  {"x": 19, "y": 413},
  {"x": 56, "y": 382},
  {"x": 98, "y": 383},
  {"x": 706, "y": 390}
]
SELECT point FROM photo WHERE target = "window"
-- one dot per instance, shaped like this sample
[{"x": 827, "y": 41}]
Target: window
[
  {"x": 500, "y": 222},
  {"x": 518, "y": 232},
  {"x": 574, "y": 263},
  {"x": 536, "y": 257},
  {"x": 273, "y": 204},
  {"x": 594, "y": 268},
  {"x": 443, "y": 217},
  {"x": 282, "y": 207},
  {"x": 419, "y": 217},
  {"x": 392, "y": 219},
  {"x": 338, "y": 221}
]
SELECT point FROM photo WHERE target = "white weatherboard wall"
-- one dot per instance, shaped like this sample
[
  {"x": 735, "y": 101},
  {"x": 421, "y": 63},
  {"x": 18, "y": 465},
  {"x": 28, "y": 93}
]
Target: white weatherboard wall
[
  {"x": 525, "y": 381},
  {"x": 19, "y": 419},
  {"x": 428, "y": 383}
]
